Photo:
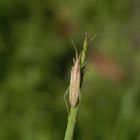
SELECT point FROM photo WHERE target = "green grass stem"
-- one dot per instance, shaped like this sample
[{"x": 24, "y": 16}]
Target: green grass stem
[{"x": 73, "y": 110}]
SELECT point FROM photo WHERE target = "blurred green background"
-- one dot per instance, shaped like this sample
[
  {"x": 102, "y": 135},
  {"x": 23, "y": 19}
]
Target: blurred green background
[{"x": 35, "y": 62}]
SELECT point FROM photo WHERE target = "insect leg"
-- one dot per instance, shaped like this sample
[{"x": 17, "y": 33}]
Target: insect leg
[{"x": 65, "y": 94}]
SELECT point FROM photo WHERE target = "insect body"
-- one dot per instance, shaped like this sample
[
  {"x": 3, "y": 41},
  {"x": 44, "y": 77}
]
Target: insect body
[
  {"x": 74, "y": 89},
  {"x": 77, "y": 73}
]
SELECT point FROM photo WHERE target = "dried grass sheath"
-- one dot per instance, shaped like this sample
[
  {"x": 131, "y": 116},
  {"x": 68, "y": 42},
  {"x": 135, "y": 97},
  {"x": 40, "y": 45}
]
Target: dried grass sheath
[{"x": 74, "y": 90}]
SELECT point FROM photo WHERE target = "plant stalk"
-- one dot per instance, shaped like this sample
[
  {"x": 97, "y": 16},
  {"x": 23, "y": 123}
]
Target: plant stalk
[
  {"x": 71, "y": 123},
  {"x": 73, "y": 110}
]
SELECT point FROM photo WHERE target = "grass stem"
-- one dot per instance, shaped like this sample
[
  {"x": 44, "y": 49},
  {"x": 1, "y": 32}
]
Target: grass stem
[{"x": 73, "y": 110}]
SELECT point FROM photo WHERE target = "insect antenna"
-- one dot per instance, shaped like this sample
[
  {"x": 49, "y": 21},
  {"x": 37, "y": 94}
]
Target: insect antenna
[{"x": 74, "y": 46}]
